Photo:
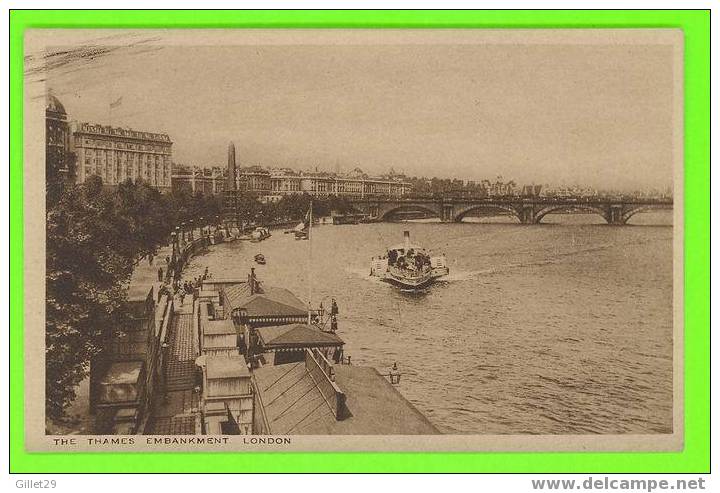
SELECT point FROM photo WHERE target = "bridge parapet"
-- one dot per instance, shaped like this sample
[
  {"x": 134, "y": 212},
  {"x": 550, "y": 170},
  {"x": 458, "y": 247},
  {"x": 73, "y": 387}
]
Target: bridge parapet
[{"x": 525, "y": 210}]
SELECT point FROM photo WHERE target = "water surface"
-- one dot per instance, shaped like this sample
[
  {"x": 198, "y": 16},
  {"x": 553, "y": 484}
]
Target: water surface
[{"x": 563, "y": 327}]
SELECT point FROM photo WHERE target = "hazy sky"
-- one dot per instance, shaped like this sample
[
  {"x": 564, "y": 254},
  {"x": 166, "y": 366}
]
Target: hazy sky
[{"x": 588, "y": 114}]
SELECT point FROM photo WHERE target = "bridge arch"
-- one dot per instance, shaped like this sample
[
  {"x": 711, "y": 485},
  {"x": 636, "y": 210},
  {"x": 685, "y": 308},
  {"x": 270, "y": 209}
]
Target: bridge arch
[
  {"x": 496, "y": 207},
  {"x": 540, "y": 214},
  {"x": 385, "y": 214},
  {"x": 630, "y": 212}
]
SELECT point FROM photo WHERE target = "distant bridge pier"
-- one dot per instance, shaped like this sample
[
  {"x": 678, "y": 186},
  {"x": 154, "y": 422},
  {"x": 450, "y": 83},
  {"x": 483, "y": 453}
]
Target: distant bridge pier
[
  {"x": 526, "y": 214},
  {"x": 615, "y": 215},
  {"x": 448, "y": 213}
]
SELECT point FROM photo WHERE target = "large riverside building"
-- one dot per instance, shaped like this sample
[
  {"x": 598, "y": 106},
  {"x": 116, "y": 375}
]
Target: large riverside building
[
  {"x": 116, "y": 154},
  {"x": 319, "y": 184}
]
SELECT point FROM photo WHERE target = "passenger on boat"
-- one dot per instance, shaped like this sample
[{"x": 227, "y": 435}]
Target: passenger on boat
[{"x": 392, "y": 257}]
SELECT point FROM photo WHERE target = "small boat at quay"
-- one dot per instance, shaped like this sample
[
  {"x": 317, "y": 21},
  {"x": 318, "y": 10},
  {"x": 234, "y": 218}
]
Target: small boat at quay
[
  {"x": 260, "y": 234},
  {"x": 302, "y": 230},
  {"x": 408, "y": 266}
]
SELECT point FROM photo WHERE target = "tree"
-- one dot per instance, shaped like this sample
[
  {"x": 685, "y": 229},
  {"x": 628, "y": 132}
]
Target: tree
[
  {"x": 88, "y": 262},
  {"x": 95, "y": 236}
]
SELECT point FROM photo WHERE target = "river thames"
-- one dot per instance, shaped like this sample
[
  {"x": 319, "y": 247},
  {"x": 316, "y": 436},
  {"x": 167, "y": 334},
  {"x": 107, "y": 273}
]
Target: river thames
[{"x": 549, "y": 329}]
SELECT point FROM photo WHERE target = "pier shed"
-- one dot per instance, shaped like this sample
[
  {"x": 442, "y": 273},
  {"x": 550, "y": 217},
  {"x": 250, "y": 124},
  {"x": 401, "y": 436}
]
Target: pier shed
[
  {"x": 219, "y": 338},
  {"x": 281, "y": 344},
  {"x": 227, "y": 397},
  {"x": 257, "y": 306}
]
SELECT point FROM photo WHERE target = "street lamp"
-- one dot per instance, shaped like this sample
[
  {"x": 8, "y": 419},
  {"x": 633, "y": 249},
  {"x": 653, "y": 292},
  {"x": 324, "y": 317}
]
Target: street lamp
[
  {"x": 173, "y": 237},
  {"x": 182, "y": 229}
]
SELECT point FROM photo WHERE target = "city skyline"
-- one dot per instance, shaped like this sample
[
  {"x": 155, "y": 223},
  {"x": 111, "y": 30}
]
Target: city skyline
[{"x": 596, "y": 115}]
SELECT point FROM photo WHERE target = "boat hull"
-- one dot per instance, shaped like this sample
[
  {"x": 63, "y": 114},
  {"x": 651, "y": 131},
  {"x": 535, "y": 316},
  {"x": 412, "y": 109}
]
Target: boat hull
[{"x": 409, "y": 284}]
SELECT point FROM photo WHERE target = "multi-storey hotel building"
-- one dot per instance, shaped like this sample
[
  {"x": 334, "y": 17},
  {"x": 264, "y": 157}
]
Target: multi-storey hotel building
[{"x": 116, "y": 154}]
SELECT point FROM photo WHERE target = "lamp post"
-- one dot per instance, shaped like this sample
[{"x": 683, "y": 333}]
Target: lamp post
[
  {"x": 173, "y": 239},
  {"x": 192, "y": 227},
  {"x": 173, "y": 261},
  {"x": 182, "y": 230}
]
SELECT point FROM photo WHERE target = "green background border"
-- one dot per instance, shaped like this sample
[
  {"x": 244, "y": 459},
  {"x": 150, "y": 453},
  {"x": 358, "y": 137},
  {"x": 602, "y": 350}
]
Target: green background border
[{"x": 696, "y": 455}]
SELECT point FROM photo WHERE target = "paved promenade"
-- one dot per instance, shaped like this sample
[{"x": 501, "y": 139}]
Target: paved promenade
[{"x": 176, "y": 412}]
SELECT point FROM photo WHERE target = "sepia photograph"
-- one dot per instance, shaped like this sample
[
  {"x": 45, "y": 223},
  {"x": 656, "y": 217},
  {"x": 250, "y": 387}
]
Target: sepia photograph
[{"x": 371, "y": 240}]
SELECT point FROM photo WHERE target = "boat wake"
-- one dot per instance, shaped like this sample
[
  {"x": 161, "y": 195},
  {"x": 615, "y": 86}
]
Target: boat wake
[
  {"x": 460, "y": 275},
  {"x": 364, "y": 274}
]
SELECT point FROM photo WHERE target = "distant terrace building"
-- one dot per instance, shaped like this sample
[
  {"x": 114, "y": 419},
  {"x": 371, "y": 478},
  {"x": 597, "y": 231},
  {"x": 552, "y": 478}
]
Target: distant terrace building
[
  {"x": 253, "y": 179},
  {"x": 271, "y": 185},
  {"x": 116, "y": 154},
  {"x": 196, "y": 179},
  {"x": 319, "y": 184}
]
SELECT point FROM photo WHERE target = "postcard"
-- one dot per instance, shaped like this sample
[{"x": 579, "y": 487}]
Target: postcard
[{"x": 353, "y": 240}]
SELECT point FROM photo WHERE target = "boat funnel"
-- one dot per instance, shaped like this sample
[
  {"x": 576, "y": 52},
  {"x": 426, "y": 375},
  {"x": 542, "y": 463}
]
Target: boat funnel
[{"x": 406, "y": 234}]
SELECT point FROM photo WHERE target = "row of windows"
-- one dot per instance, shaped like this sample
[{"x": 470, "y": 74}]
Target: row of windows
[
  {"x": 336, "y": 187},
  {"x": 120, "y": 145},
  {"x": 115, "y": 175},
  {"x": 123, "y": 157}
]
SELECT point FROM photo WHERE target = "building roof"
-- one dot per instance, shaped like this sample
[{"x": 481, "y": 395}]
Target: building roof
[
  {"x": 294, "y": 405},
  {"x": 123, "y": 372},
  {"x": 220, "y": 343},
  {"x": 98, "y": 129},
  {"x": 296, "y": 335},
  {"x": 226, "y": 367},
  {"x": 271, "y": 301},
  {"x": 218, "y": 327}
]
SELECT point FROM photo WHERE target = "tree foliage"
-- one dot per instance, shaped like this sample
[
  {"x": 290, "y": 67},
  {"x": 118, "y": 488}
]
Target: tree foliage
[
  {"x": 95, "y": 236},
  {"x": 88, "y": 259}
]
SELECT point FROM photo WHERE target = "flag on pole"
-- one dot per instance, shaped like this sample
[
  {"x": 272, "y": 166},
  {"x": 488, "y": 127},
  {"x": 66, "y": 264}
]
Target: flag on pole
[{"x": 116, "y": 103}]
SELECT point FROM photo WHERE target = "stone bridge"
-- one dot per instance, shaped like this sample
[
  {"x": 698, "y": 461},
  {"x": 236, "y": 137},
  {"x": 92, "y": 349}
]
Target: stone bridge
[{"x": 526, "y": 210}]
